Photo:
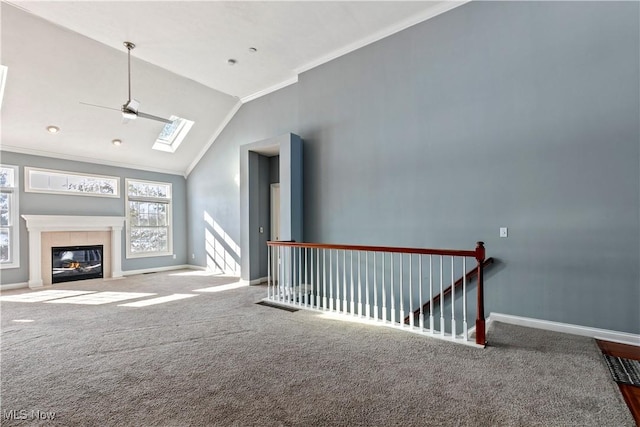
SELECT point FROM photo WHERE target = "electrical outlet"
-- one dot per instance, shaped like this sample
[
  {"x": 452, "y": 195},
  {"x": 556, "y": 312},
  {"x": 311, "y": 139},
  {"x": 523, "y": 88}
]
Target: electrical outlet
[
  {"x": 261, "y": 230},
  {"x": 193, "y": 256},
  {"x": 504, "y": 232},
  {"x": 174, "y": 256}
]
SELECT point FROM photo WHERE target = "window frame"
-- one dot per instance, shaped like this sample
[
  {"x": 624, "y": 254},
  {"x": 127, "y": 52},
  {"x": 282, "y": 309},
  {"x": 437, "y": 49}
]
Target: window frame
[
  {"x": 14, "y": 219},
  {"x": 169, "y": 212},
  {"x": 29, "y": 189}
]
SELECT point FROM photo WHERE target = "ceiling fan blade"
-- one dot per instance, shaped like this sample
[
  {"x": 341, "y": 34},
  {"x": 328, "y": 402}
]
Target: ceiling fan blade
[
  {"x": 99, "y": 106},
  {"x": 152, "y": 117}
]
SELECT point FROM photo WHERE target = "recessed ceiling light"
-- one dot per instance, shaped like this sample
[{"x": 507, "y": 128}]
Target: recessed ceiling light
[
  {"x": 253, "y": 49},
  {"x": 231, "y": 61},
  {"x": 53, "y": 129},
  {"x": 116, "y": 142}
]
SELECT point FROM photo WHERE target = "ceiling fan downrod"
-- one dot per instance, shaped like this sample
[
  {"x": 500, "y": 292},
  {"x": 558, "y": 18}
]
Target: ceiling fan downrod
[{"x": 129, "y": 46}]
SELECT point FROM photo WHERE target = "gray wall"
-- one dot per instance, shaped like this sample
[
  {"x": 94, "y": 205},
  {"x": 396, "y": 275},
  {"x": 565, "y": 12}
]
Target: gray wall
[
  {"x": 274, "y": 169},
  {"x": 54, "y": 204},
  {"x": 516, "y": 114}
]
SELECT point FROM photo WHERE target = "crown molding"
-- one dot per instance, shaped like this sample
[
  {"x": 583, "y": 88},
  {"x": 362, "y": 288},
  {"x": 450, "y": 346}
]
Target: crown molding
[
  {"x": 386, "y": 32},
  {"x": 270, "y": 89}
]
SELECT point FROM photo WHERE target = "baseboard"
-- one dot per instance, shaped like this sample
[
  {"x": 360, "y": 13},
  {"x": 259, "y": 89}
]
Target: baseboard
[
  {"x": 159, "y": 269},
  {"x": 14, "y": 286},
  {"x": 585, "y": 331}
]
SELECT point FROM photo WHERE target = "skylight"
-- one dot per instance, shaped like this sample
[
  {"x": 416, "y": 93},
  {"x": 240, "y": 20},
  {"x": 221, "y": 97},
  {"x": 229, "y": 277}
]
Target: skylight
[{"x": 172, "y": 134}]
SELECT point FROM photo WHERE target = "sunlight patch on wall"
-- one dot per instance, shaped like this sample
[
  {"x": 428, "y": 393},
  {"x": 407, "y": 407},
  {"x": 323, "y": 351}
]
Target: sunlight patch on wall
[{"x": 222, "y": 252}]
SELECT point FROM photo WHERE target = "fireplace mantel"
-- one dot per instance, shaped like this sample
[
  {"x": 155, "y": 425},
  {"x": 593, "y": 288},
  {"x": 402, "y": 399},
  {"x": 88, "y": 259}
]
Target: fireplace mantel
[{"x": 38, "y": 224}]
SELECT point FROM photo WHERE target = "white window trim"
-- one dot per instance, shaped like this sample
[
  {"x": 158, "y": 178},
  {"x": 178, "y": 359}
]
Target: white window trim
[
  {"x": 169, "y": 251},
  {"x": 14, "y": 237},
  {"x": 29, "y": 189}
]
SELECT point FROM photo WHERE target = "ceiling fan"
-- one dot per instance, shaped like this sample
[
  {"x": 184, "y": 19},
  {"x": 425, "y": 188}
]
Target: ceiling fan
[{"x": 130, "y": 108}]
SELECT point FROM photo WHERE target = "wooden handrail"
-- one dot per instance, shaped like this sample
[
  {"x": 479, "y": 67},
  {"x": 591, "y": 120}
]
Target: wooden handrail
[
  {"x": 479, "y": 251},
  {"x": 469, "y": 275}
]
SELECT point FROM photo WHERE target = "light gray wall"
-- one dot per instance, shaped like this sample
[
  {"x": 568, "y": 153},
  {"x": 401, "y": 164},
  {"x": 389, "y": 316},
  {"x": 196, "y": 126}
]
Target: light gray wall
[
  {"x": 516, "y": 114},
  {"x": 54, "y": 204}
]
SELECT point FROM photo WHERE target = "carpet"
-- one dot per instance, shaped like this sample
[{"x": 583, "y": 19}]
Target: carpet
[
  {"x": 624, "y": 371},
  {"x": 219, "y": 359}
]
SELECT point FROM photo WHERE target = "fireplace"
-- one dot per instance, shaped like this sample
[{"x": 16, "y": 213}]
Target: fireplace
[
  {"x": 48, "y": 231},
  {"x": 70, "y": 263}
]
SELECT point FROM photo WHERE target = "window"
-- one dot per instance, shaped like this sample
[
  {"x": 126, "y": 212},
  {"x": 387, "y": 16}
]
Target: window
[
  {"x": 61, "y": 182},
  {"x": 148, "y": 219},
  {"x": 9, "y": 224},
  {"x": 172, "y": 134}
]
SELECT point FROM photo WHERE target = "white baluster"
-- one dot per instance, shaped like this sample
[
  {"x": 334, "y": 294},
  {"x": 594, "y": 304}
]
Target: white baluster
[
  {"x": 316, "y": 300},
  {"x": 279, "y": 274},
  {"x": 292, "y": 275},
  {"x": 269, "y": 248},
  {"x": 453, "y": 300},
  {"x": 299, "y": 276},
  {"x": 421, "y": 300},
  {"x": 411, "y": 319},
  {"x": 324, "y": 279},
  {"x": 401, "y": 319},
  {"x": 344, "y": 281},
  {"x": 367, "y": 309},
  {"x": 393, "y": 296},
  {"x": 331, "y": 302},
  {"x": 306, "y": 281},
  {"x": 431, "y": 318},
  {"x": 359, "y": 288},
  {"x": 353, "y": 306},
  {"x": 465, "y": 333},
  {"x": 376, "y": 314},
  {"x": 384, "y": 292},
  {"x": 441, "y": 301}
]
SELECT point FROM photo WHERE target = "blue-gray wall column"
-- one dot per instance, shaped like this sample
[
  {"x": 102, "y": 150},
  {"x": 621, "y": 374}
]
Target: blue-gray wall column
[{"x": 254, "y": 199}]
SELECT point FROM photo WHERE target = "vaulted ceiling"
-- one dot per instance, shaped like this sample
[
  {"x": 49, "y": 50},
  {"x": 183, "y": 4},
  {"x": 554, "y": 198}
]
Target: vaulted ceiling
[{"x": 62, "y": 53}]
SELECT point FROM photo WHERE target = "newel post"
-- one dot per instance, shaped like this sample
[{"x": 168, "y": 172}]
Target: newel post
[{"x": 480, "y": 327}]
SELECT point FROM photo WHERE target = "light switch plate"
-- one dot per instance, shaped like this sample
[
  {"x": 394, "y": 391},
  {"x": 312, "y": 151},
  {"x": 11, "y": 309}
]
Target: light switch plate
[{"x": 503, "y": 232}]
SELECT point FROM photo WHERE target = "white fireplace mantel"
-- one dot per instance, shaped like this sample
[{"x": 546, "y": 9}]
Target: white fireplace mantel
[{"x": 38, "y": 224}]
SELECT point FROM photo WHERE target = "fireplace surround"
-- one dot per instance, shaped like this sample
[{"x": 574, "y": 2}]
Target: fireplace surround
[{"x": 48, "y": 231}]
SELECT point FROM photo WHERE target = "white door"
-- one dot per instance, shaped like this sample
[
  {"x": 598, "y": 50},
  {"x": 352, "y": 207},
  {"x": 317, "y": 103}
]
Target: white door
[
  {"x": 275, "y": 212},
  {"x": 275, "y": 232}
]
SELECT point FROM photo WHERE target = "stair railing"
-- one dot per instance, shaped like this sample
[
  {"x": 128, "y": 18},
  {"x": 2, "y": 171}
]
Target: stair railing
[
  {"x": 470, "y": 275},
  {"x": 381, "y": 284}
]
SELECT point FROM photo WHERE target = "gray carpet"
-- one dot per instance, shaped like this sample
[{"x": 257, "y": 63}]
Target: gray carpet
[{"x": 221, "y": 359}]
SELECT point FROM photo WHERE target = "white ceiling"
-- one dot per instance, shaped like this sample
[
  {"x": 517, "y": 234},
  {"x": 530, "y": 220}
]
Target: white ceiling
[{"x": 62, "y": 52}]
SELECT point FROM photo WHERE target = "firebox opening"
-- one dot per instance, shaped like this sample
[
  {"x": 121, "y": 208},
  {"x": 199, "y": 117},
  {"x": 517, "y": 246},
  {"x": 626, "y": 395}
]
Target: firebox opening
[{"x": 71, "y": 263}]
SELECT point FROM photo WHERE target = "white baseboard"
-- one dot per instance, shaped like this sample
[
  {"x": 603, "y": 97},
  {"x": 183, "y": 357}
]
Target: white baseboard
[
  {"x": 14, "y": 286},
  {"x": 254, "y": 281},
  {"x": 585, "y": 331},
  {"x": 159, "y": 269}
]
